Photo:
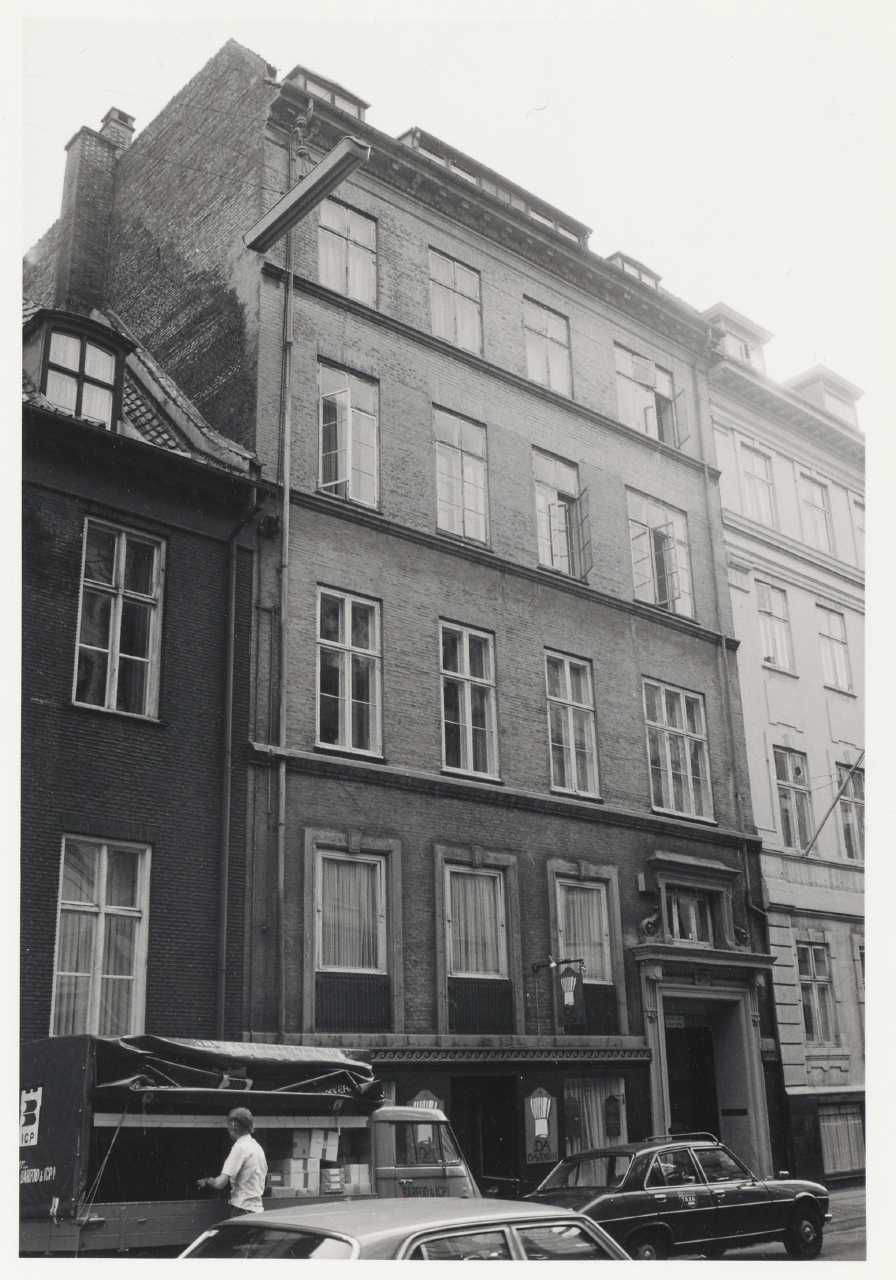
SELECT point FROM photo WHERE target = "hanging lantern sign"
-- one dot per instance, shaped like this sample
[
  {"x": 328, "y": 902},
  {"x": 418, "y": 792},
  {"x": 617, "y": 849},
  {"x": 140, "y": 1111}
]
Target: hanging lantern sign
[
  {"x": 572, "y": 990},
  {"x": 541, "y": 1128}
]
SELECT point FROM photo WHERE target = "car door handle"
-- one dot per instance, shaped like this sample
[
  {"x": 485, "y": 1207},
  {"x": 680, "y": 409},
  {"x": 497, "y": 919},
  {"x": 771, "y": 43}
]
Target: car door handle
[
  {"x": 718, "y": 1195},
  {"x": 658, "y": 1197}
]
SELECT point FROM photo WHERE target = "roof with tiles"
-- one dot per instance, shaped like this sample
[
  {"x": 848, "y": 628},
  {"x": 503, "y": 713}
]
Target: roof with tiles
[{"x": 153, "y": 408}]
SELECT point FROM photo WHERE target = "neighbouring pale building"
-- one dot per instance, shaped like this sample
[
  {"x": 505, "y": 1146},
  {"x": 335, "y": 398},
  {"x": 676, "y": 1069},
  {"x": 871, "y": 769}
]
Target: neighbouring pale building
[{"x": 792, "y": 485}]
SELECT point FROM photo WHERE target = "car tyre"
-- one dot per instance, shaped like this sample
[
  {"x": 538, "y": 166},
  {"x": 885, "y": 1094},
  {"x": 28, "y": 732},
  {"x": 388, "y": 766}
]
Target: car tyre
[
  {"x": 804, "y": 1235},
  {"x": 650, "y": 1247}
]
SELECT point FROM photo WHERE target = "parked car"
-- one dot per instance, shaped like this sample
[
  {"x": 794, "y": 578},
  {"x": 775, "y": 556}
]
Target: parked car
[
  {"x": 686, "y": 1193},
  {"x": 425, "y": 1229}
]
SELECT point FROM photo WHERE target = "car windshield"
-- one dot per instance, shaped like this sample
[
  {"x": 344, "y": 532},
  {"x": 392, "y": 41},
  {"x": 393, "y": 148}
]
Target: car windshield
[
  {"x": 425, "y": 1144},
  {"x": 254, "y": 1241},
  {"x": 604, "y": 1170}
]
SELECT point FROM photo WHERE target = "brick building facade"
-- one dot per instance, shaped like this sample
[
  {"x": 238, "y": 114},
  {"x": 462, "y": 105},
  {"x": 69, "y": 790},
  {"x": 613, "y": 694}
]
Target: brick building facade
[{"x": 513, "y": 732}]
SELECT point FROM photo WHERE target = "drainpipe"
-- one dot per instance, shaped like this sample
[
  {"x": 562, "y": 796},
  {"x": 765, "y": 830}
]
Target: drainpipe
[{"x": 227, "y": 788}]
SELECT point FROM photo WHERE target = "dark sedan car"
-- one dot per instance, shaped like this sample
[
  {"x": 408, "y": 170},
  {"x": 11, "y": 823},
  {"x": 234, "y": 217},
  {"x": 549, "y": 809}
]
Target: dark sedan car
[
  {"x": 687, "y": 1193},
  {"x": 427, "y": 1229}
]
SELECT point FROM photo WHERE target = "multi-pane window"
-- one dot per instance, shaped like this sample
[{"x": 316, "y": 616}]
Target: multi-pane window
[
  {"x": 677, "y": 750},
  {"x": 349, "y": 672},
  {"x": 834, "y": 649},
  {"x": 583, "y": 928},
  {"x": 816, "y": 991},
  {"x": 852, "y": 810},
  {"x": 547, "y": 347},
  {"x": 469, "y": 739},
  {"x": 689, "y": 915},
  {"x": 647, "y": 399},
  {"x": 456, "y": 302},
  {"x": 858, "y": 522},
  {"x": 120, "y": 619},
  {"x": 462, "y": 476},
  {"x": 475, "y": 923},
  {"x": 562, "y": 516},
  {"x": 792, "y": 774},
  {"x": 661, "y": 563},
  {"x": 80, "y": 377},
  {"x": 759, "y": 487},
  {"x": 348, "y": 435},
  {"x": 98, "y": 981},
  {"x": 350, "y": 913},
  {"x": 347, "y": 251},
  {"x": 816, "y": 509},
  {"x": 774, "y": 626},
  {"x": 571, "y": 724}
]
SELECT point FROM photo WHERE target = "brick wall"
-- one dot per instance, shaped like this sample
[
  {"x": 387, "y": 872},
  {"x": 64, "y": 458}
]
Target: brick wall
[{"x": 92, "y": 773}]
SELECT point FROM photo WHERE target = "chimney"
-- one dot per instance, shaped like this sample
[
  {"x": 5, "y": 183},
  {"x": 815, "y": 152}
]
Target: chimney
[{"x": 87, "y": 195}]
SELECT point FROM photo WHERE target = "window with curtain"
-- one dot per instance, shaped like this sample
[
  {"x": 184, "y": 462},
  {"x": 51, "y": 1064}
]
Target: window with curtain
[
  {"x": 120, "y": 619},
  {"x": 842, "y": 1137},
  {"x": 347, "y": 251},
  {"x": 350, "y": 913},
  {"x": 462, "y": 475},
  {"x": 852, "y": 810},
  {"x": 817, "y": 992},
  {"x": 456, "y": 302},
  {"x": 585, "y": 1106},
  {"x": 98, "y": 981},
  {"x": 81, "y": 377},
  {"x": 349, "y": 441},
  {"x": 689, "y": 915},
  {"x": 476, "y": 926},
  {"x": 583, "y": 928}
]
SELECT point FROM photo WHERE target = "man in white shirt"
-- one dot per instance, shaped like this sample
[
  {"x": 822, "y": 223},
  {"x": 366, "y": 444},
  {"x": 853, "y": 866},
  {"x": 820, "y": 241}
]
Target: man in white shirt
[{"x": 245, "y": 1168}]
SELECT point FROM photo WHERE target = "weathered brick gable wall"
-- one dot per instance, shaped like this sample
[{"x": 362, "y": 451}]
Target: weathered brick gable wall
[
  {"x": 187, "y": 189},
  {"x": 39, "y": 268},
  {"x": 91, "y": 773}
]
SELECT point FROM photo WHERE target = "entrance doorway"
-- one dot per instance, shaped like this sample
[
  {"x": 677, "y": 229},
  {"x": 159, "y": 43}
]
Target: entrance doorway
[
  {"x": 484, "y": 1117},
  {"x": 691, "y": 1067}
]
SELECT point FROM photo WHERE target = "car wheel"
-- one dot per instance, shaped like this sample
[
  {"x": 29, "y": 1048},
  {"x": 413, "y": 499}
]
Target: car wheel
[
  {"x": 804, "y": 1235},
  {"x": 647, "y": 1248}
]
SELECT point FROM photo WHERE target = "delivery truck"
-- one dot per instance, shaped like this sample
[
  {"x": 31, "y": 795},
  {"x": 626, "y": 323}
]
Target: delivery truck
[{"x": 115, "y": 1132}]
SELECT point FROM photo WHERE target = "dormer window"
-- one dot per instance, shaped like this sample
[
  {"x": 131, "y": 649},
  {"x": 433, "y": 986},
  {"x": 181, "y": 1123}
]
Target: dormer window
[{"x": 81, "y": 377}]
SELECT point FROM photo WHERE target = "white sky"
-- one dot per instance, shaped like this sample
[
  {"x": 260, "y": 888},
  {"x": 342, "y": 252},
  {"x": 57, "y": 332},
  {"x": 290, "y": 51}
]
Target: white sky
[{"x": 738, "y": 148}]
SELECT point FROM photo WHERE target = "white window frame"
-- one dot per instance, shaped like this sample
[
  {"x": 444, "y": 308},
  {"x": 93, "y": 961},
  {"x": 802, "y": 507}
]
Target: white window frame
[
  {"x": 453, "y": 869},
  {"x": 644, "y": 374},
  {"x": 348, "y": 651},
  {"x": 808, "y": 486},
  {"x": 101, "y": 912},
  {"x": 550, "y": 344},
  {"x": 468, "y": 459},
  {"x": 666, "y": 732},
  {"x": 814, "y": 985},
  {"x": 852, "y": 812},
  {"x": 789, "y": 793},
  {"x": 835, "y": 665},
  {"x": 857, "y": 507},
  {"x": 647, "y": 518},
  {"x": 755, "y": 485},
  {"x": 774, "y": 626},
  {"x": 456, "y": 292},
  {"x": 335, "y": 855},
  {"x": 568, "y": 706},
  {"x": 562, "y": 517},
  {"x": 348, "y": 241},
  {"x": 119, "y": 596},
  {"x": 80, "y": 376},
  {"x": 346, "y": 481},
  {"x": 467, "y": 681},
  {"x": 677, "y": 897},
  {"x": 568, "y": 949}
]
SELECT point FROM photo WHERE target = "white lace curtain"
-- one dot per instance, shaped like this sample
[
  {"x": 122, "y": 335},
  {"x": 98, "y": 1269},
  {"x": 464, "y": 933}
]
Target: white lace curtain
[
  {"x": 475, "y": 941},
  {"x": 349, "y": 925},
  {"x": 842, "y": 1137},
  {"x": 586, "y": 1099}
]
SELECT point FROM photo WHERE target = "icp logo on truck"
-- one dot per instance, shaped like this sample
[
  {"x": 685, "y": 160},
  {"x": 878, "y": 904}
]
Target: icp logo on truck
[{"x": 29, "y": 1116}]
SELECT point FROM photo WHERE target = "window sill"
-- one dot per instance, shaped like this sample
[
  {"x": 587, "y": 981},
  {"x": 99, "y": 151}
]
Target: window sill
[
  {"x": 779, "y": 671},
  {"x": 685, "y": 817},
  {"x": 577, "y": 795},
  {"x": 361, "y": 973},
  {"x": 113, "y": 711},
  {"x": 561, "y": 573},
  {"x": 472, "y": 777},
  {"x": 350, "y": 502},
  {"x": 325, "y": 749},
  {"x": 463, "y": 541},
  {"x": 845, "y": 693},
  {"x": 662, "y": 609},
  {"x": 479, "y": 977}
]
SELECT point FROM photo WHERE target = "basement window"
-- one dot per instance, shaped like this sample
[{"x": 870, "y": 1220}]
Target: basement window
[{"x": 82, "y": 377}]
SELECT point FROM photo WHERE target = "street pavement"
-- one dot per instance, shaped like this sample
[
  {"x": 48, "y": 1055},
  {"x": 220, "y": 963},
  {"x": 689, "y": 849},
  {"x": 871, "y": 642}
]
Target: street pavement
[{"x": 844, "y": 1237}]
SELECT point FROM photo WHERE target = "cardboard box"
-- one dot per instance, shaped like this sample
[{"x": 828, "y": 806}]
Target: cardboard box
[{"x": 301, "y": 1143}]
